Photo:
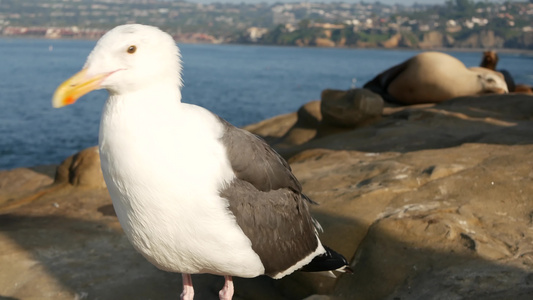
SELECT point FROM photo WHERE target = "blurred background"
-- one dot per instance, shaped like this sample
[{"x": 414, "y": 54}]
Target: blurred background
[{"x": 235, "y": 55}]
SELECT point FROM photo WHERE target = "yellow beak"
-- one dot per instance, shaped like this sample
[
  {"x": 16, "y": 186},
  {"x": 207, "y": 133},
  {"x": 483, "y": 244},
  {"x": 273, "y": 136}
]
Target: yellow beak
[{"x": 75, "y": 87}]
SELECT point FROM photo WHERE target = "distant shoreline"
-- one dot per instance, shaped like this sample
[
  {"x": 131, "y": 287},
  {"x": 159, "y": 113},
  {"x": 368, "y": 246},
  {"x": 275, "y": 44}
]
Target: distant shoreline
[{"x": 442, "y": 49}]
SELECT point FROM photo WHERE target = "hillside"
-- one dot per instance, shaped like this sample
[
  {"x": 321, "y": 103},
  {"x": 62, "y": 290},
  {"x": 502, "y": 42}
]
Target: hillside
[{"x": 459, "y": 23}]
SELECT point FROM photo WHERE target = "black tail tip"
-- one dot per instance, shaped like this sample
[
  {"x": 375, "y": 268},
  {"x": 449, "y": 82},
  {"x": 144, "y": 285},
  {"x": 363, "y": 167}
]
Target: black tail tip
[{"x": 329, "y": 261}]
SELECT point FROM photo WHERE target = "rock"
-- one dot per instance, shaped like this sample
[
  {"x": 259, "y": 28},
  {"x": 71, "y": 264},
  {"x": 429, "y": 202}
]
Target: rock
[
  {"x": 488, "y": 39},
  {"x": 82, "y": 169},
  {"x": 449, "y": 41},
  {"x": 525, "y": 41},
  {"x": 306, "y": 126},
  {"x": 408, "y": 40},
  {"x": 302, "y": 42},
  {"x": 392, "y": 42},
  {"x": 20, "y": 183},
  {"x": 274, "y": 128},
  {"x": 405, "y": 224},
  {"x": 324, "y": 42},
  {"x": 430, "y": 202},
  {"x": 341, "y": 42},
  {"x": 432, "y": 39},
  {"x": 309, "y": 115},
  {"x": 435, "y": 39},
  {"x": 484, "y": 39},
  {"x": 362, "y": 44},
  {"x": 309, "y": 121},
  {"x": 435, "y": 220},
  {"x": 350, "y": 108},
  {"x": 290, "y": 129}
]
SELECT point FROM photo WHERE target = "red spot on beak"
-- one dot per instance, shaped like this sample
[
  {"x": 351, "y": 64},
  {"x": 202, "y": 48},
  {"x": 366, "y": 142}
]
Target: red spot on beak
[{"x": 69, "y": 100}]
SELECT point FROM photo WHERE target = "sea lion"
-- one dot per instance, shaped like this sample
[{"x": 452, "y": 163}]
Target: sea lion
[
  {"x": 489, "y": 74},
  {"x": 490, "y": 60},
  {"x": 523, "y": 89},
  {"x": 432, "y": 77}
]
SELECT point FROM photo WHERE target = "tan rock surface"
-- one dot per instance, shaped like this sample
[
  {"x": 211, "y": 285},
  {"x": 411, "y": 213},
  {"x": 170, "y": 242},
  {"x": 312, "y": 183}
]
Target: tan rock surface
[
  {"x": 407, "y": 226},
  {"x": 82, "y": 169},
  {"x": 324, "y": 42},
  {"x": 431, "y": 202},
  {"x": 274, "y": 128},
  {"x": 392, "y": 42},
  {"x": 20, "y": 183},
  {"x": 432, "y": 39},
  {"x": 309, "y": 119},
  {"x": 352, "y": 108}
]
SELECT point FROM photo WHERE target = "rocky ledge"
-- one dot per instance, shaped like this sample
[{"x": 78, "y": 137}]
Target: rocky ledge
[{"x": 428, "y": 202}]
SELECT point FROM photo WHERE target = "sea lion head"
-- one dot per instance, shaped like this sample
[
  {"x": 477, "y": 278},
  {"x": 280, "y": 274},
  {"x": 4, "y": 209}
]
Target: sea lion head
[
  {"x": 489, "y": 60},
  {"x": 492, "y": 83}
]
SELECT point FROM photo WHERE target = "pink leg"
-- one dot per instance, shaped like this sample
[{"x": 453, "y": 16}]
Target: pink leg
[
  {"x": 226, "y": 293},
  {"x": 188, "y": 291}
]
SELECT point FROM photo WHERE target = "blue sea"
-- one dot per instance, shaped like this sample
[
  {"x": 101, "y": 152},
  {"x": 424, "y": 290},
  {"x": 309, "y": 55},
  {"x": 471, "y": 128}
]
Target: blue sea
[{"x": 243, "y": 84}]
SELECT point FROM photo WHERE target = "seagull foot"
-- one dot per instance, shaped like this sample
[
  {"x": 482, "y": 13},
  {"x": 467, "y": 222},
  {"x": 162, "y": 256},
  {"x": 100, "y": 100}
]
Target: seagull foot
[
  {"x": 226, "y": 293},
  {"x": 188, "y": 290}
]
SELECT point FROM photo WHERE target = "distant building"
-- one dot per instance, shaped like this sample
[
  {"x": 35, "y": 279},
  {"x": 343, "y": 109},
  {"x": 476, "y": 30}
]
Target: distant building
[
  {"x": 452, "y": 26},
  {"x": 423, "y": 27},
  {"x": 284, "y": 17},
  {"x": 255, "y": 33},
  {"x": 328, "y": 26}
]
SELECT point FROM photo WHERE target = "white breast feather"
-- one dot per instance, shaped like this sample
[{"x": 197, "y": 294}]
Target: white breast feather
[{"x": 164, "y": 185}]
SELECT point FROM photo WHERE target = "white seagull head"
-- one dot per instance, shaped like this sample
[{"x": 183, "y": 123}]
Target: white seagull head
[{"x": 127, "y": 58}]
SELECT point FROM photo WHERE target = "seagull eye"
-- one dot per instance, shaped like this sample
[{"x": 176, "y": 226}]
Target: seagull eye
[{"x": 131, "y": 49}]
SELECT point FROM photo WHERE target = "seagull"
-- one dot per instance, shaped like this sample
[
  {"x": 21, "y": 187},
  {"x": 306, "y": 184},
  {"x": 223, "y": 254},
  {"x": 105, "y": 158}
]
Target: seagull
[{"x": 193, "y": 193}]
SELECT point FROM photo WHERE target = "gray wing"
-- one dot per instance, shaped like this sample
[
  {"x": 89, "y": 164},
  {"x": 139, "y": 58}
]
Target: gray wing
[
  {"x": 267, "y": 202},
  {"x": 254, "y": 161}
]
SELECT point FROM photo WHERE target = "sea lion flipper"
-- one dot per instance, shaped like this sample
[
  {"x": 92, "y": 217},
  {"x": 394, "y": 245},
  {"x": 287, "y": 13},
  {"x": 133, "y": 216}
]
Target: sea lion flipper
[{"x": 381, "y": 82}]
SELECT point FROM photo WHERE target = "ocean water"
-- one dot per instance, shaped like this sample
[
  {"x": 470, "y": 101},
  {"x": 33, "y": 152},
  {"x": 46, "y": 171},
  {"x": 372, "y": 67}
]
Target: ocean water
[{"x": 243, "y": 84}]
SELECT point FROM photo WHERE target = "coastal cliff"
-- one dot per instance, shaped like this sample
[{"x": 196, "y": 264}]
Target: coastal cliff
[
  {"x": 427, "y": 202},
  {"x": 486, "y": 39}
]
